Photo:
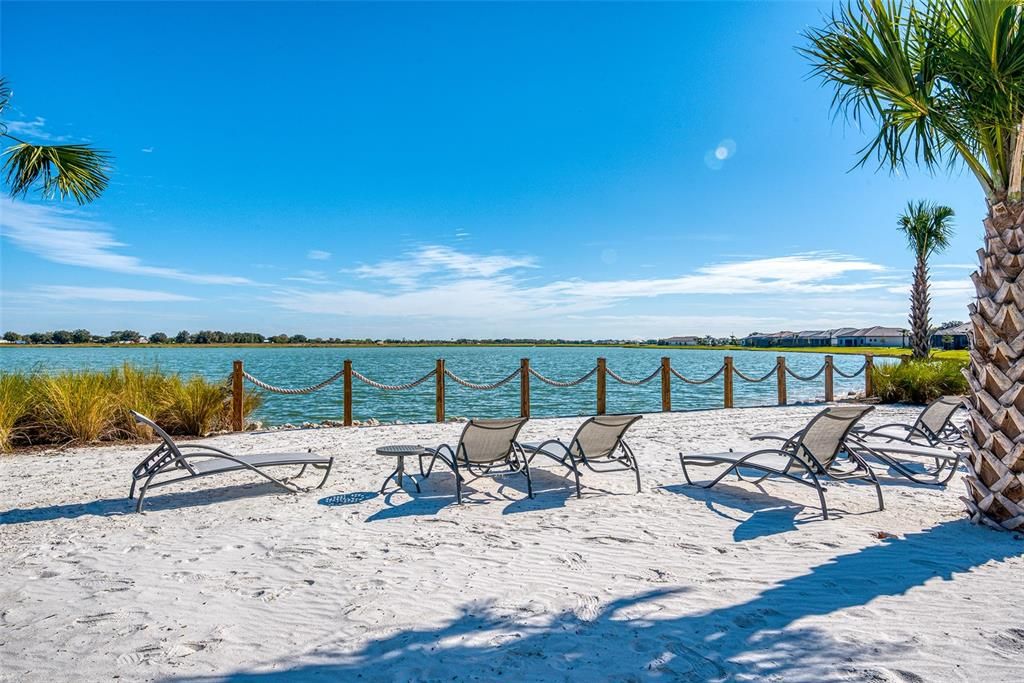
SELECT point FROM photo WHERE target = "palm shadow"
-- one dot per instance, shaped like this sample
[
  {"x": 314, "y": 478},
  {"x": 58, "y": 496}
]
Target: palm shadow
[{"x": 759, "y": 638}]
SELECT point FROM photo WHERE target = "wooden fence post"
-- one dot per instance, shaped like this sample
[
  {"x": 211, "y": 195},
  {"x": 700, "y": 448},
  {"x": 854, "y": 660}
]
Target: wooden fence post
[
  {"x": 829, "y": 385},
  {"x": 666, "y": 385},
  {"x": 869, "y": 383},
  {"x": 780, "y": 370},
  {"x": 602, "y": 364},
  {"x": 524, "y": 387},
  {"x": 347, "y": 393},
  {"x": 727, "y": 381},
  {"x": 237, "y": 396},
  {"x": 439, "y": 383}
]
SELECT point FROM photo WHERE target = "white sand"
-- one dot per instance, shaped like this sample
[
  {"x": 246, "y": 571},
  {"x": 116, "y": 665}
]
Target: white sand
[{"x": 229, "y": 579}]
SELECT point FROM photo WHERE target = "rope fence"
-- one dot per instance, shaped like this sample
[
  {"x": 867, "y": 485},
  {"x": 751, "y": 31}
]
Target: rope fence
[{"x": 524, "y": 372}]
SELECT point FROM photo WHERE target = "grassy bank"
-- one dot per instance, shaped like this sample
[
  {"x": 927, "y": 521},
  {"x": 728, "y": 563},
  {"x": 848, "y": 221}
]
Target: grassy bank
[
  {"x": 90, "y": 406},
  {"x": 919, "y": 381}
]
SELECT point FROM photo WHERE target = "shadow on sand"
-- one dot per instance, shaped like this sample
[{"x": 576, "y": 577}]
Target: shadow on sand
[
  {"x": 111, "y": 507},
  {"x": 634, "y": 638}
]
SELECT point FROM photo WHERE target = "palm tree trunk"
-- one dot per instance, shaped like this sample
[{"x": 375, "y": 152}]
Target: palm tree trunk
[
  {"x": 919, "y": 304},
  {"x": 995, "y": 479}
]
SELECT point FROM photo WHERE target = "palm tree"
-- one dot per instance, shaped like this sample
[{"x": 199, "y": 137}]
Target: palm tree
[
  {"x": 928, "y": 228},
  {"x": 941, "y": 82},
  {"x": 79, "y": 171}
]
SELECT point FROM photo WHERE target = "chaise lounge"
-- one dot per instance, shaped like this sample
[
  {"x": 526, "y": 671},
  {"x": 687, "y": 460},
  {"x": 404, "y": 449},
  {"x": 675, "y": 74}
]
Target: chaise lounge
[
  {"x": 484, "y": 448},
  {"x": 933, "y": 427},
  {"x": 598, "y": 444},
  {"x": 812, "y": 451},
  {"x": 932, "y": 435},
  {"x": 202, "y": 461}
]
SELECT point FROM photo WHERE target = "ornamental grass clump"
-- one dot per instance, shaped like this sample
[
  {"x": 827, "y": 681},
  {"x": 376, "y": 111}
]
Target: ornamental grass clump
[
  {"x": 74, "y": 407},
  {"x": 88, "y": 406},
  {"x": 15, "y": 401},
  {"x": 196, "y": 406},
  {"x": 919, "y": 381}
]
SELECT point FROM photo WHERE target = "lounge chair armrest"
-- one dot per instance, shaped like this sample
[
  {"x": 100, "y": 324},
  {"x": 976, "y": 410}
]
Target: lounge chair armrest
[
  {"x": 542, "y": 449},
  {"x": 202, "y": 447},
  {"x": 539, "y": 448}
]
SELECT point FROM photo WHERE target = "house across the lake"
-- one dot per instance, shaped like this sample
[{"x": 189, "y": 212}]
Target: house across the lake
[
  {"x": 768, "y": 338},
  {"x": 954, "y": 337},
  {"x": 680, "y": 341},
  {"x": 874, "y": 336},
  {"x": 840, "y": 336}
]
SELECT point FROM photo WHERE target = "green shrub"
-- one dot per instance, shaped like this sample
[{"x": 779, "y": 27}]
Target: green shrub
[{"x": 918, "y": 381}]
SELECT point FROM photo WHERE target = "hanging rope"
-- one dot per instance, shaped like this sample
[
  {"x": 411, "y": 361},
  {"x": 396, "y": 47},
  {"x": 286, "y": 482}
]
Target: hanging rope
[
  {"x": 556, "y": 383},
  {"x": 857, "y": 372},
  {"x": 482, "y": 387},
  {"x": 698, "y": 381},
  {"x": 807, "y": 378},
  {"x": 759, "y": 379},
  {"x": 632, "y": 383},
  {"x": 280, "y": 390},
  {"x": 393, "y": 387}
]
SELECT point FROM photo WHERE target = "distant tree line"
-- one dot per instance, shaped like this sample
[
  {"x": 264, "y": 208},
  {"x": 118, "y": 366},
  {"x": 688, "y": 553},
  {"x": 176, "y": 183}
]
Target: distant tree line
[{"x": 82, "y": 336}]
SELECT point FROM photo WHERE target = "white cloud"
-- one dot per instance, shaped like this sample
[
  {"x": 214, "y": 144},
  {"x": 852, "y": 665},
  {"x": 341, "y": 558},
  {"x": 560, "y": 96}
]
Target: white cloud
[
  {"x": 146, "y": 150},
  {"x": 65, "y": 236},
  {"x": 809, "y": 272},
  {"x": 315, "y": 277},
  {"x": 35, "y": 130},
  {"x": 480, "y": 288},
  {"x": 318, "y": 255},
  {"x": 112, "y": 294},
  {"x": 963, "y": 288},
  {"x": 439, "y": 260}
]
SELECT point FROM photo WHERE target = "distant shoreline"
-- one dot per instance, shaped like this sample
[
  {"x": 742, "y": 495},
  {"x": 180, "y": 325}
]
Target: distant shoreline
[{"x": 843, "y": 350}]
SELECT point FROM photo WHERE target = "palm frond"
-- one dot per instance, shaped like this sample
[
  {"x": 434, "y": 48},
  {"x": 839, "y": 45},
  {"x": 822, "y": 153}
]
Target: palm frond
[
  {"x": 5, "y": 99},
  {"x": 928, "y": 227},
  {"x": 79, "y": 171},
  {"x": 941, "y": 81}
]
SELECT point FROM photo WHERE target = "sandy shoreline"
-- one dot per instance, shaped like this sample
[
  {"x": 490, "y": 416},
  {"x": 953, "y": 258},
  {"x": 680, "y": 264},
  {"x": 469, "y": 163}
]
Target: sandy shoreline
[{"x": 228, "y": 579}]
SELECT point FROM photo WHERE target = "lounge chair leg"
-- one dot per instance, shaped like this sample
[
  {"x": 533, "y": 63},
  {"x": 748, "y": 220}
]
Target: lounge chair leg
[
  {"x": 686, "y": 475},
  {"x": 458, "y": 486},
  {"x": 878, "y": 489},
  {"x": 131, "y": 492},
  {"x": 529, "y": 481},
  {"x": 142, "y": 493},
  {"x": 821, "y": 496},
  {"x": 326, "y": 474}
]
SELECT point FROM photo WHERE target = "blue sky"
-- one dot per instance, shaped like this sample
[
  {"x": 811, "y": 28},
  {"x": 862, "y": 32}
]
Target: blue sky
[{"x": 454, "y": 170}]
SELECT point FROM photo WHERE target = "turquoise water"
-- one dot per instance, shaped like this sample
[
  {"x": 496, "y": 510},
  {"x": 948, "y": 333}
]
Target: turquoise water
[{"x": 300, "y": 367}]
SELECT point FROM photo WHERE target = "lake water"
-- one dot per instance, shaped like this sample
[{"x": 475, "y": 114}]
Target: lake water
[{"x": 304, "y": 366}]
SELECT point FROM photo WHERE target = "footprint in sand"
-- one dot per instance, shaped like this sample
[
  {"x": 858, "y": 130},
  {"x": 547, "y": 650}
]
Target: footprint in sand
[
  {"x": 139, "y": 656},
  {"x": 573, "y": 561},
  {"x": 95, "y": 618},
  {"x": 587, "y": 608}
]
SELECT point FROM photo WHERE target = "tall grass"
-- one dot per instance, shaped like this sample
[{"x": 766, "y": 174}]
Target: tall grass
[
  {"x": 89, "y": 406},
  {"x": 197, "y": 407},
  {"x": 918, "y": 381},
  {"x": 15, "y": 398},
  {"x": 74, "y": 406}
]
